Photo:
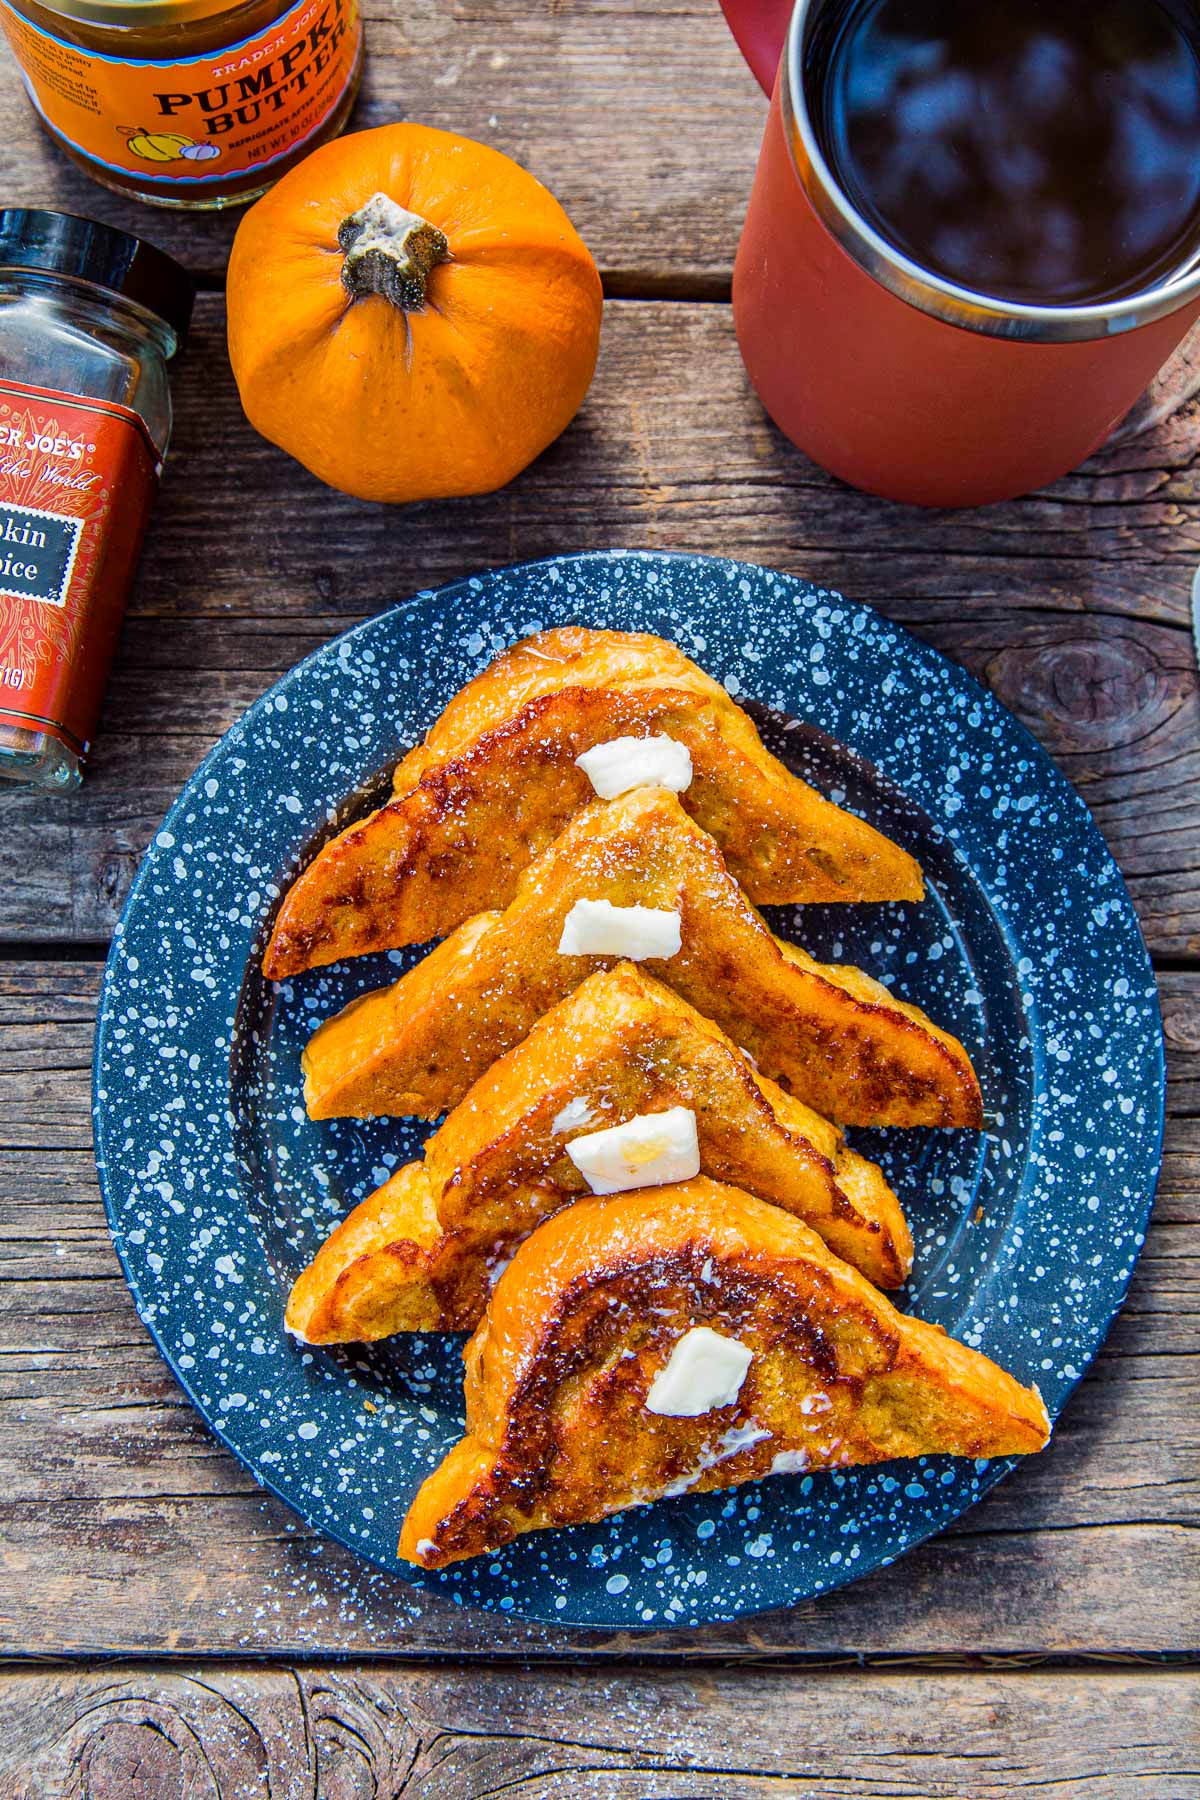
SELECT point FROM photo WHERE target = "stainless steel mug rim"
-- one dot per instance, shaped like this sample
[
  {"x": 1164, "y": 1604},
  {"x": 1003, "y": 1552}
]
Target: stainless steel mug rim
[{"x": 920, "y": 287}]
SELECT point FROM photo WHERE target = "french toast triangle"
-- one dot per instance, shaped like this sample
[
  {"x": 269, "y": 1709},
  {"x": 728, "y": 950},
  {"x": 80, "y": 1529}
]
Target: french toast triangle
[
  {"x": 496, "y": 780},
  {"x": 420, "y": 1252},
  {"x": 676, "y": 1340},
  {"x": 831, "y": 1036}
]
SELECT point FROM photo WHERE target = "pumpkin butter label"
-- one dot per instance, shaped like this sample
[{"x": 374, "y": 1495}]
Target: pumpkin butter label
[
  {"x": 201, "y": 121},
  {"x": 77, "y": 480}
]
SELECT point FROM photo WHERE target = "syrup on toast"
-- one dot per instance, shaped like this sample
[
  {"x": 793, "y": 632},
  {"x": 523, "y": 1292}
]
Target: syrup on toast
[
  {"x": 831, "y": 1036},
  {"x": 620, "y": 1046},
  {"x": 496, "y": 780},
  {"x": 579, "y": 1402}
]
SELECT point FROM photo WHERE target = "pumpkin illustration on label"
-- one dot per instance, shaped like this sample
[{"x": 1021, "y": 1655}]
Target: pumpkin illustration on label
[
  {"x": 158, "y": 146},
  {"x": 411, "y": 315},
  {"x": 200, "y": 152}
]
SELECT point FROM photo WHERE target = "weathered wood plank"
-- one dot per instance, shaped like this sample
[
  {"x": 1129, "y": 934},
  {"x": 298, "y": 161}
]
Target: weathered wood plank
[
  {"x": 654, "y": 459},
  {"x": 226, "y": 1731},
  {"x": 126, "y": 1527},
  {"x": 111, "y": 1487},
  {"x": 1071, "y": 604},
  {"x": 638, "y": 114}
]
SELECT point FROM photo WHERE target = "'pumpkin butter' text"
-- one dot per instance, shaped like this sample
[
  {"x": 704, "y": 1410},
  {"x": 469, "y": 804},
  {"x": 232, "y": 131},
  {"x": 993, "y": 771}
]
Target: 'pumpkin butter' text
[{"x": 250, "y": 97}]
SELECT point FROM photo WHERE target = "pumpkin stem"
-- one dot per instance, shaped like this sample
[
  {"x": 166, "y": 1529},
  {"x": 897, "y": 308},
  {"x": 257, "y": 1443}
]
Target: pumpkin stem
[{"x": 390, "y": 251}]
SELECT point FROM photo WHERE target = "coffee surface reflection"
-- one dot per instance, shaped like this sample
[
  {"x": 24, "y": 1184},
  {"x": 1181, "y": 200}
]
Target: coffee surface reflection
[{"x": 1045, "y": 151}]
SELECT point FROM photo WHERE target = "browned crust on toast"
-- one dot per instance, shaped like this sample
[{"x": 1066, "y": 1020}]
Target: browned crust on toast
[
  {"x": 420, "y": 1252},
  {"x": 495, "y": 782},
  {"x": 829, "y": 1035},
  {"x": 587, "y": 1314}
]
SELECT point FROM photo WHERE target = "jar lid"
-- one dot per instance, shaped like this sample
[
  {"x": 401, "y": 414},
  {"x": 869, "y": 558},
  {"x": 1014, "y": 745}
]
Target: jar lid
[
  {"x": 138, "y": 15},
  {"x": 82, "y": 250}
]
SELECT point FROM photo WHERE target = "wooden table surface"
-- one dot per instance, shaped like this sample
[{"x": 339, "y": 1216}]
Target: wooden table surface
[{"x": 172, "y": 1631}]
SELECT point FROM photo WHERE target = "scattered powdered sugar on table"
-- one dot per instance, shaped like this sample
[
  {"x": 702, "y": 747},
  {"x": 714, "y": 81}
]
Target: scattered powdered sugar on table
[{"x": 219, "y": 1188}]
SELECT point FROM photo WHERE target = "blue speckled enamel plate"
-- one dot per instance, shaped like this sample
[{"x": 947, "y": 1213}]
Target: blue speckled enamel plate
[{"x": 219, "y": 1188}]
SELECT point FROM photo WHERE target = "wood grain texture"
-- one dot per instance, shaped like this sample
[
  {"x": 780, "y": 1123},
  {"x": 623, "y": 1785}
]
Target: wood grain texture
[
  {"x": 127, "y": 1528},
  {"x": 1072, "y": 605},
  {"x": 123, "y": 1525},
  {"x": 639, "y": 115},
  {"x": 237, "y": 1732}
]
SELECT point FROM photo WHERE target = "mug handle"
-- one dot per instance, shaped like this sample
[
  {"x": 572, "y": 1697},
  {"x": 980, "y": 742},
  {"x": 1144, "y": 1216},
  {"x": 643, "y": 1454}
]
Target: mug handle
[{"x": 760, "y": 27}]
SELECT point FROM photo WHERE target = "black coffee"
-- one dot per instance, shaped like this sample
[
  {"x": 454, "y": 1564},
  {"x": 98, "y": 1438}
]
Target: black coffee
[{"x": 1038, "y": 150}]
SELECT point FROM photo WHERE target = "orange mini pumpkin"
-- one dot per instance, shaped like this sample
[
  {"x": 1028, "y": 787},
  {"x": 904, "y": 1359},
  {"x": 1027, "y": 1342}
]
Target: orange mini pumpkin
[{"x": 411, "y": 315}]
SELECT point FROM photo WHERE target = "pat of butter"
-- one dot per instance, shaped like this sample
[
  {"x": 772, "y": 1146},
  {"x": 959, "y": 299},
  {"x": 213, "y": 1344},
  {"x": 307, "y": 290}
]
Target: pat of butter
[
  {"x": 789, "y": 1462},
  {"x": 647, "y": 1151},
  {"x": 628, "y": 762},
  {"x": 703, "y": 1371},
  {"x": 598, "y": 928},
  {"x": 574, "y": 1114}
]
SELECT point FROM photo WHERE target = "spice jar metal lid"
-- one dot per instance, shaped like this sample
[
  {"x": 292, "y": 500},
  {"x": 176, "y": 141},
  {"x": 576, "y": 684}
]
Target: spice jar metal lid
[{"x": 56, "y": 243}]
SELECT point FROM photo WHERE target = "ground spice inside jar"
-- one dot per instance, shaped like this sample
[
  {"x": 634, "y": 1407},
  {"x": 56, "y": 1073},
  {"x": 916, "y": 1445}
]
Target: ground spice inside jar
[{"x": 89, "y": 318}]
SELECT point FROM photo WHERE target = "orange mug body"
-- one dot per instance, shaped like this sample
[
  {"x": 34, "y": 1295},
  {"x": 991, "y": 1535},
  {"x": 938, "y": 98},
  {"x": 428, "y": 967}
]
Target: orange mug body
[{"x": 896, "y": 400}]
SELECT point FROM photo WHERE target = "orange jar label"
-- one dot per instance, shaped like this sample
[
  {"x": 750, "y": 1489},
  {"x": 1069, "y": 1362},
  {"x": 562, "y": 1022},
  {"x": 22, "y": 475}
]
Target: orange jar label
[
  {"x": 200, "y": 121},
  {"x": 77, "y": 480}
]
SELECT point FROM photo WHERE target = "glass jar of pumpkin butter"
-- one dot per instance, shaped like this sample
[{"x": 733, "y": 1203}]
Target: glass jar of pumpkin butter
[{"x": 188, "y": 103}]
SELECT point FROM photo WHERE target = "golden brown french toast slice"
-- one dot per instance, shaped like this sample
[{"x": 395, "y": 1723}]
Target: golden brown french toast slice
[
  {"x": 496, "y": 780},
  {"x": 676, "y": 1340},
  {"x": 420, "y": 1252},
  {"x": 831, "y": 1036}
]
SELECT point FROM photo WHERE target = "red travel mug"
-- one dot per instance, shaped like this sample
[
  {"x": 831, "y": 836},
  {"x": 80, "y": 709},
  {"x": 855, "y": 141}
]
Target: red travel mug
[{"x": 891, "y": 377}]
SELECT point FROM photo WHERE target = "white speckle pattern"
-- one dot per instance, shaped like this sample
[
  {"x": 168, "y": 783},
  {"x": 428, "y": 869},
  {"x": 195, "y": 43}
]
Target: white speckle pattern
[{"x": 219, "y": 1188}]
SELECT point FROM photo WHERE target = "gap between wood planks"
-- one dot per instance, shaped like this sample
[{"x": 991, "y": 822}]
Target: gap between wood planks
[
  {"x": 618, "y": 284},
  {"x": 915, "y": 1664}
]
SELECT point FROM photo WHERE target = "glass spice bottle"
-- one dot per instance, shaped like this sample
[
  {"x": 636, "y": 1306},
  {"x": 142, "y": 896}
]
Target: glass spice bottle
[
  {"x": 188, "y": 103},
  {"x": 89, "y": 318}
]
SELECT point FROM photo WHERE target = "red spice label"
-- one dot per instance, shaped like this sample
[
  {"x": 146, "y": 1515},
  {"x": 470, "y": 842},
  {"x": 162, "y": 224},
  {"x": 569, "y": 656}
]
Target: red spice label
[{"x": 77, "y": 479}]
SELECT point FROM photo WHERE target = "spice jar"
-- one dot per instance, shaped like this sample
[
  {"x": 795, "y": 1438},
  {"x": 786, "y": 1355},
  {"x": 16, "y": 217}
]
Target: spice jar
[
  {"x": 189, "y": 103},
  {"x": 89, "y": 318}
]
